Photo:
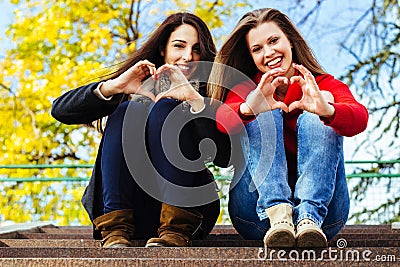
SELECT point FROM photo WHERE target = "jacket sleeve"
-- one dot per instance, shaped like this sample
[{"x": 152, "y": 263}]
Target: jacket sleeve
[
  {"x": 351, "y": 117},
  {"x": 82, "y": 106},
  {"x": 206, "y": 128}
]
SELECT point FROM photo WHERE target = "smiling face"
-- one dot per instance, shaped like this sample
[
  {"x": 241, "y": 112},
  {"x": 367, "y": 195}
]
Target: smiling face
[
  {"x": 182, "y": 48},
  {"x": 270, "y": 48}
]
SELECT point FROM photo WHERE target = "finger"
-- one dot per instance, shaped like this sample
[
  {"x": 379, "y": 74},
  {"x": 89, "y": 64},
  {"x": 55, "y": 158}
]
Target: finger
[
  {"x": 279, "y": 81},
  {"x": 145, "y": 62},
  {"x": 303, "y": 70},
  {"x": 311, "y": 80},
  {"x": 298, "y": 80},
  {"x": 277, "y": 71},
  {"x": 270, "y": 74},
  {"x": 308, "y": 77},
  {"x": 152, "y": 70},
  {"x": 266, "y": 78},
  {"x": 164, "y": 68},
  {"x": 146, "y": 93},
  {"x": 328, "y": 96},
  {"x": 159, "y": 71},
  {"x": 281, "y": 105},
  {"x": 160, "y": 96},
  {"x": 145, "y": 66},
  {"x": 294, "y": 105}
]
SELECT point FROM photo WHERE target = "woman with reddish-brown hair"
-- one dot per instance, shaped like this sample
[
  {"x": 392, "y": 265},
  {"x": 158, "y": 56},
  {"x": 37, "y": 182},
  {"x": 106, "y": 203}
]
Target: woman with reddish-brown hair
[{"x": 290, "y": 188}]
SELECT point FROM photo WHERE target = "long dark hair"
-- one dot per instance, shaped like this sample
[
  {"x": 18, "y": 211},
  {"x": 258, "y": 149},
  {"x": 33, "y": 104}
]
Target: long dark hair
[
  {"x": 235, "y": 53},
  {"x": 152, "y": 47}
]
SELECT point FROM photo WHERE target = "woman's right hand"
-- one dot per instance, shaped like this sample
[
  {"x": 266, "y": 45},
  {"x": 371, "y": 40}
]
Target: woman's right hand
[
  {"x": 262, "y": 99},
  {"x": 180, "y": 88},
  {"x": 130, "y": 82}
]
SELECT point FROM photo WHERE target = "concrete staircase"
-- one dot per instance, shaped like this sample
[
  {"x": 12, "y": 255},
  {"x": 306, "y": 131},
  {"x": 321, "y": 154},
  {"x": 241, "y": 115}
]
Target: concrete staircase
[{"x": 48, "y": 245}]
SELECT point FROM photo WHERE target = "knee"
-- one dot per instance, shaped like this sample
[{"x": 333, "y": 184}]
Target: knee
[
  {"x": 309, "y": 119},
  {"x": 158, "y": 112},
  {"x": 164, "y": 106},
  {"x": 310, "y": 124}
]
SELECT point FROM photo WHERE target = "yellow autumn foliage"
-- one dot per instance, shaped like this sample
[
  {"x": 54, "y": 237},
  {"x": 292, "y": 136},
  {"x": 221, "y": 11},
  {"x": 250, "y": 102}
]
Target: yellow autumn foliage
[{"x": 57, "y": 46}]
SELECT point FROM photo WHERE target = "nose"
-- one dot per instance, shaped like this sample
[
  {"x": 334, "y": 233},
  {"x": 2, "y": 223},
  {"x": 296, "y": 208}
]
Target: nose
[
  {"x": 268, "y": 51},
  {"x": 187, "y": 55}
]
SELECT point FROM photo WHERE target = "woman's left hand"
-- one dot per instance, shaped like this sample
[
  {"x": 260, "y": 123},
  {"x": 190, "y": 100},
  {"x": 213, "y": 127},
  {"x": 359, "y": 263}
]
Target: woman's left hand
[
  {"x": 313, "y": 100},
  {"x": 180, "y": 89}
]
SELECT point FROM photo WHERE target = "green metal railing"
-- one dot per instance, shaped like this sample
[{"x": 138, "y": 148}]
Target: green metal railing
[{"x": 87, "y": 166}]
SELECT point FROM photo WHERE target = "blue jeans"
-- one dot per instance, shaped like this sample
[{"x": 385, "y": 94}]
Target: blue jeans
[
  {"x": 320, "y": 190},
  {"x": 121, "y": 191}
]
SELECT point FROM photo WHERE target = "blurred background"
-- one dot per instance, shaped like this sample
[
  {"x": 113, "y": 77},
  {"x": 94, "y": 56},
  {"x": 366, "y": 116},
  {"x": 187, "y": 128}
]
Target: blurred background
[{"x": 49, "y": 47}]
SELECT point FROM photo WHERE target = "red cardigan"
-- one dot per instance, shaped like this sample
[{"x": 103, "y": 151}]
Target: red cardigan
[{"x": 350, "y": 117}]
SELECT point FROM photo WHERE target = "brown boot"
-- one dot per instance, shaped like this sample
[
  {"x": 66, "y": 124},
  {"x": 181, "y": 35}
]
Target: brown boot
[
  {"x": 176, "y": 227},
  {"x": 117, "y": 228},
  {"x": 281, "y": 234}
]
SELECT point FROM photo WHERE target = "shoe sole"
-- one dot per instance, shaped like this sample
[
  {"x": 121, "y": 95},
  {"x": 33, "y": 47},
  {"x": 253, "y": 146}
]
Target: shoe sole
[
  {"x": 311, "y": 239},
  {"x": 117, "y": 246},
  {"x": 280, "y": 239},
  {"x": 149, "y": 245}
]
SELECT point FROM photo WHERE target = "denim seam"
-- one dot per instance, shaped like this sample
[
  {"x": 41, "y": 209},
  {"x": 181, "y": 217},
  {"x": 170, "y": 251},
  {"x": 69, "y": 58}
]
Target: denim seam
[
  {"x": 262, "y": 215},
  {"x": 337, "y": 166},
  {"x": 331, "y": 226},
  {"x": 340, "y": 221},
  {"x": 308, "y": 216}
]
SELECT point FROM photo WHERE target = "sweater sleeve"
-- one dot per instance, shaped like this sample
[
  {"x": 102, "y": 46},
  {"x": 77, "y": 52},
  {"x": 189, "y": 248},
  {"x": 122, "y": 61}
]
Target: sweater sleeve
[
  {"x": 351, "y": 117},
  {"x": 82, "y": 106},
  {"x": 228, "y": 117}
]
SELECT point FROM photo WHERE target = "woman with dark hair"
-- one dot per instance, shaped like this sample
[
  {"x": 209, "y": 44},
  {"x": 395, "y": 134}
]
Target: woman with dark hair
[
  {"x": 291, "y": 115},
  {"x": 129, "y": 195}
]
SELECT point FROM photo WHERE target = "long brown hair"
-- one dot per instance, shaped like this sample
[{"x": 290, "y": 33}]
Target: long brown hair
[
  {"x": 235, "y": 53},
  {"x": 151, "y": 49}
]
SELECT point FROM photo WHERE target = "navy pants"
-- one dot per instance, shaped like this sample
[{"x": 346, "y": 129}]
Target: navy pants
[{"x": 139, "y": 151}]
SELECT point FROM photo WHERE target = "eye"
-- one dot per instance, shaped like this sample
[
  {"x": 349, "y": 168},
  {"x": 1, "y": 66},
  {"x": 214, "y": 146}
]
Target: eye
[
  {"x": 274, "y": 40},
  {"x": 256, "y": 49},
  {"x": 179, "y": 45}
]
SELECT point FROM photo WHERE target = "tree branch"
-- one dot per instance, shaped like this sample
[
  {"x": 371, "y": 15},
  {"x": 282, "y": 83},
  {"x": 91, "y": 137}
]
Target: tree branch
[
  {"x": 136, "y": 32},
  {"x": 213, "y": 6},
  {"x": 315, "y": 8},
  {"x": 393, "y": 104},
  {"x": 7, "y": 88}
]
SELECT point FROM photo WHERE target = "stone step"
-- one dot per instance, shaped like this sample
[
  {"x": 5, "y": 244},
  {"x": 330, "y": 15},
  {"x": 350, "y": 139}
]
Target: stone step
[
  {"x": 196, "y": 243},
  {"x": 194, "y": 253},
  {"x": 161, "y": 262},
  {"x": 226, "y": 229},
  {"x": 360, "y": 245},
  {"x": 221, "y": 236},
  {"x": 364, "y": 237}
]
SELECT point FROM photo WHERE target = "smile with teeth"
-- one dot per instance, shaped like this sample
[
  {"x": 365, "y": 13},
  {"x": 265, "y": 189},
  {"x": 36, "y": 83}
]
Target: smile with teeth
[{"x": 274, "y": 62}]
